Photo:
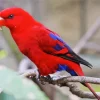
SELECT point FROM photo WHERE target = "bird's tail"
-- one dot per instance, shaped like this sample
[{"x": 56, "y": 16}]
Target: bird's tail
[{"x": 90, "y": 88}]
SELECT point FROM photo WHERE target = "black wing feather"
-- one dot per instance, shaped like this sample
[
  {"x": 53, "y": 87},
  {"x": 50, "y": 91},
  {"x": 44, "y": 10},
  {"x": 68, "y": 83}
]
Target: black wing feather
[{"x": 75, "y": 58}]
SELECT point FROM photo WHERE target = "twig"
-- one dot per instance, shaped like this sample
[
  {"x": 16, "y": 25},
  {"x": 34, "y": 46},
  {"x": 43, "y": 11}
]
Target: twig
[
  {"x": 66, "y": 81},
  {"x": 82, "y": 79},
  {"x": 81, "y": 43},
  {"x": 93, "y": 46}
]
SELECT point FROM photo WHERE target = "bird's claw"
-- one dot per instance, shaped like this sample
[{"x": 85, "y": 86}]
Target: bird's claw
[
  {"x": 41, "y": 79},
  {"x": 44, "y": 79},
  {"x": 49, "y": 79}
]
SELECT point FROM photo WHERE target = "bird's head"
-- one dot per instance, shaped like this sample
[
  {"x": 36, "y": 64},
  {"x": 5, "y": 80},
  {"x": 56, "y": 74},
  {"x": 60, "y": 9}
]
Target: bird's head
[{"x": 15, "y": 18}]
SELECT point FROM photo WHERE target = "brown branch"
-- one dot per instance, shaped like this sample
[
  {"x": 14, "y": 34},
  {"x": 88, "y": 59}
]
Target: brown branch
[
  {"x": 76, "y": 91},
  {"x": 67, "y": 81},
  {"x": 82, "y": 79}
]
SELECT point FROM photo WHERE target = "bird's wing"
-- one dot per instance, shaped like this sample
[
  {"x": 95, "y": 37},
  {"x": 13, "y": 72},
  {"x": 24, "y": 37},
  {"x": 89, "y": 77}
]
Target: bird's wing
[{"x": 53, "y": 44}]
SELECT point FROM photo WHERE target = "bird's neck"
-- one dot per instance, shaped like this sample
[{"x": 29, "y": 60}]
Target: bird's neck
[
  {"x": 22, "y": 32},
  {"x": 22, "y": 27}
]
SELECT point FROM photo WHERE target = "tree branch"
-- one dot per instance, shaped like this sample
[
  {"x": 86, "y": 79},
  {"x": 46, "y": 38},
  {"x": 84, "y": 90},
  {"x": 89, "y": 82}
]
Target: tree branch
[
  {"x": 82, "y": 79},
  {"x": 92, "y": 30},
  {"x": 68, "y": 82}
]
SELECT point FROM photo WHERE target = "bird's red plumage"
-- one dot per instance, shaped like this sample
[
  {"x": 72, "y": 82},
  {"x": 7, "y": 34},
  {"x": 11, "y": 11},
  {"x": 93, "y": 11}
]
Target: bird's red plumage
[
  {"x": 38, "y": 45},
  {"x": 44, "y": 47}
]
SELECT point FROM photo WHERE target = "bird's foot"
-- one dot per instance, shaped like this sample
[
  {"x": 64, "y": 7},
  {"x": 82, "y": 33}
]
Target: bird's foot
[
  {"x": 44, "y": 79},
  {"x": 49, "y": 79}
]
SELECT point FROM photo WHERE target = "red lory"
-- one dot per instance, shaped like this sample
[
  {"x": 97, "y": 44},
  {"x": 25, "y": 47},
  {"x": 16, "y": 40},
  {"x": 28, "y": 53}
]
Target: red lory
[{"x": 42, "y": 46}]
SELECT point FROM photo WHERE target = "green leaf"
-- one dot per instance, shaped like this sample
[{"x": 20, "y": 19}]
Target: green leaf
[
  {"x": 5, "y": 96},
  {"x": 20, "y": 88}
]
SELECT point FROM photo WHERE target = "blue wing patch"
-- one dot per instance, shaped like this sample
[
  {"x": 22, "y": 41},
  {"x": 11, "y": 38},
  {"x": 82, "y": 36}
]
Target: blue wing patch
[
  {"x": 62, "y": 67},
  {"x": 56, "y": 37},
  {"x": 53, "y": 36},
  {"x": 58, "y": 47}
]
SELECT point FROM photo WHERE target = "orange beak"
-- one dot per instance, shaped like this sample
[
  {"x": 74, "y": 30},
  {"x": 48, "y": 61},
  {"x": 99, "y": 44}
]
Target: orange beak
[{"x": 2, "y": 22}]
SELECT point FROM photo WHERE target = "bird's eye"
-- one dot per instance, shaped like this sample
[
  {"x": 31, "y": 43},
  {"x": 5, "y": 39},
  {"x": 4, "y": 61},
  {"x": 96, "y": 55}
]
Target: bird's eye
[{"x": 11, "y": 16}]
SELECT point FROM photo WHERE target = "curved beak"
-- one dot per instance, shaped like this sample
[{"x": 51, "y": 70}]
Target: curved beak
[{"x": 2, "y": 22}]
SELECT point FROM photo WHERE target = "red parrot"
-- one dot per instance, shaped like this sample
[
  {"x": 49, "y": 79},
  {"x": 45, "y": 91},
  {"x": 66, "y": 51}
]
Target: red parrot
[{"x": 42, "y": 46}]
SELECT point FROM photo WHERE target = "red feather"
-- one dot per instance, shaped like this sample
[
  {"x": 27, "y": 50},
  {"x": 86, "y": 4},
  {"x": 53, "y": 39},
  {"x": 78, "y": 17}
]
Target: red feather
[{"x": 44, "y": 47}]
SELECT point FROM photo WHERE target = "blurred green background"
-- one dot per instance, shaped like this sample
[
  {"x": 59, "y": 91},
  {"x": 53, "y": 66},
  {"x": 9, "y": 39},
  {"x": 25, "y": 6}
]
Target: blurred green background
[{"x": 71, "y": 19}]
